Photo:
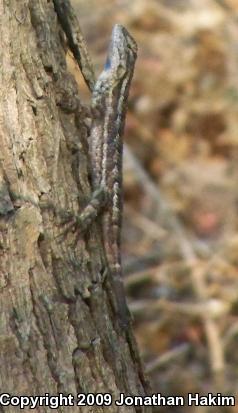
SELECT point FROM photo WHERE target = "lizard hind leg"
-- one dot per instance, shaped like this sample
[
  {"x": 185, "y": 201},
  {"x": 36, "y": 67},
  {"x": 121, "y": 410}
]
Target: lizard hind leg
[{"x": 80, "y": 223}]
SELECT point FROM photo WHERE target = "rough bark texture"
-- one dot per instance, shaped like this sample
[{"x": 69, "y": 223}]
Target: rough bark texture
[{"x": 58, "y": 329}]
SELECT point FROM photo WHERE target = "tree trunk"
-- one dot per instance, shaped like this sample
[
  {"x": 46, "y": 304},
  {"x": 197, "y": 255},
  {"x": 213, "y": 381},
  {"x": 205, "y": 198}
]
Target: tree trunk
[{"x": 59, "y": 329}]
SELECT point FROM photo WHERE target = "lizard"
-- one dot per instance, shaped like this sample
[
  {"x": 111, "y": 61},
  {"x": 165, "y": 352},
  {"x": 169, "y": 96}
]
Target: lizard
[
  {"x": 109, "y": 100},
  {"x": 109, "y": 97}
]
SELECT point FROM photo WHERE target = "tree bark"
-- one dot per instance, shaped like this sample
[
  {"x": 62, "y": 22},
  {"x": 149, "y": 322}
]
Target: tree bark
[{"x": 58, "y": 330}]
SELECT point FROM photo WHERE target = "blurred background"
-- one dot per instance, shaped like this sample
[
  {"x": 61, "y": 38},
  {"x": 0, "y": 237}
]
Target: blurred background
[{"x": 180, "y": 234}]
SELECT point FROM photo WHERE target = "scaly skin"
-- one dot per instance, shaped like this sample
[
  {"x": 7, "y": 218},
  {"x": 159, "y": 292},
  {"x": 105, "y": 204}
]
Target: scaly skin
[{"x": 109, "y": 100}]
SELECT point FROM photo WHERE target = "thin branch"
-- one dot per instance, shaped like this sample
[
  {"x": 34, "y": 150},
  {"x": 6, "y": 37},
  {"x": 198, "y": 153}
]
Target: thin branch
[{"x": 170, "y": 356}]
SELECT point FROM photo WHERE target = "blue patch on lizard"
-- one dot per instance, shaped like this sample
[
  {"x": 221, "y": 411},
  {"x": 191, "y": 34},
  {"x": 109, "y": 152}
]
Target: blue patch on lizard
[{"x": 107, "y": 65}]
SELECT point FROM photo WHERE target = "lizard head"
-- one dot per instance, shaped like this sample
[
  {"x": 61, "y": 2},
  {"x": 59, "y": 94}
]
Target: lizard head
[
  {"x": 120, "y": 60},
  {"x": 122, "y": 52}
]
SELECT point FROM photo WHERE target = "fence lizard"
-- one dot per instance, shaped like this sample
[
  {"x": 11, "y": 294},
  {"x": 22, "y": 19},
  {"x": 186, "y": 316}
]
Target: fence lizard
[{"x": 109, "y": 100}]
